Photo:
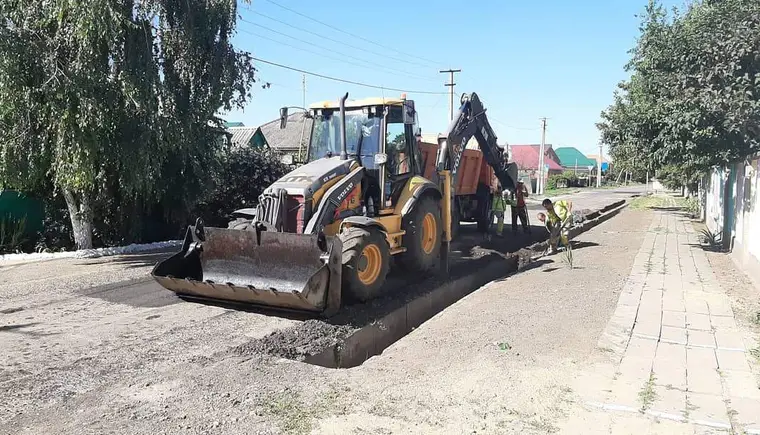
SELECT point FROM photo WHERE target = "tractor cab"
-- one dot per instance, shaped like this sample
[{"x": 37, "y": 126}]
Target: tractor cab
[{"x": 381, "y": 136}]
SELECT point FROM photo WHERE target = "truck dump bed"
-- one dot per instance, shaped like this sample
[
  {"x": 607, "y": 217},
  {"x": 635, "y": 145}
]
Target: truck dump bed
[{"x": 473, "y": 168}]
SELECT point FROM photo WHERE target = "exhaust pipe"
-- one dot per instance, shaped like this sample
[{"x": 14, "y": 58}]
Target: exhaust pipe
[{"x": 343, "y": 146}]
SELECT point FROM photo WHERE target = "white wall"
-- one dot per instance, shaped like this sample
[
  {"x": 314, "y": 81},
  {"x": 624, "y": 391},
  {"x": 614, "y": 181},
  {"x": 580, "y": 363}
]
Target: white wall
[{"x": 743, "y": 236}]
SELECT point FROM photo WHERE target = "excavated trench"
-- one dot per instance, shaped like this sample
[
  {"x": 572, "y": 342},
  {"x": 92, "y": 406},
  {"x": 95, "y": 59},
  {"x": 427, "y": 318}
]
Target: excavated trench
[{"x": 365, "y": 330}]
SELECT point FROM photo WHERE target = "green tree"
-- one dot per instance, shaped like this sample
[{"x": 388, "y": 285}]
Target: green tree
[
  {"x": 102, "y": 92},
  {"x": 692, "y": 101}
]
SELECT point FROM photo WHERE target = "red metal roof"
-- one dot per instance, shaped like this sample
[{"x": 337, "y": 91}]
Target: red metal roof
[{"x": 526, "y": 157}]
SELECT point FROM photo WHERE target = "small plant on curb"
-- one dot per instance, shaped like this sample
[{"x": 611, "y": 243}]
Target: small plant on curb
[
  {"x": 755, "y": 353},
  {"x": 567, "y": 256},
  {"x": 647, "y": 395},
  {"x": 710, "y": 239}
]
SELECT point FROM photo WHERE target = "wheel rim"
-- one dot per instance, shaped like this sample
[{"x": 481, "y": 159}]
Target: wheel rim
[
  {"x": 429, "y": 233},
  {"x": 370, "y": 264}
]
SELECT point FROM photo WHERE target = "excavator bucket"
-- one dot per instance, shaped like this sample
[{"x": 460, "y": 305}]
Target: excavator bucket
[{"x": 286, "y": 271}]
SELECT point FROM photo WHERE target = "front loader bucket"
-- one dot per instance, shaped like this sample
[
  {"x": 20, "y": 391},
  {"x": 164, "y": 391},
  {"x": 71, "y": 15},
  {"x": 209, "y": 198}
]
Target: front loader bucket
[{"x": 269, "y": 269}]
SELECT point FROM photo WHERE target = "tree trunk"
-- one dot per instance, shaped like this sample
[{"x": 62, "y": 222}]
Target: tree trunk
[{"x": 80, "y": 211}]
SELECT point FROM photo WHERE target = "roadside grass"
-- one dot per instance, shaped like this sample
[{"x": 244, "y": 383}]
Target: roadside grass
[
  {"x": 295, "y": 416},
  {"x": 561, "y": 191},
  {"x": 647, "y": 202}
]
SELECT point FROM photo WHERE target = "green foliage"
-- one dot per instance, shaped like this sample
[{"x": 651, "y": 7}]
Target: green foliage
[
  {"x": 692, "y": 206},
  {"x": 565, "y": 179},
  {"x": 102, "y": 93},
  {"x": 709, "y": 238},
  {"x": 692, "y": 98},
  {"x": 12, "y": 234},
  {"x": 567, "y": 256},
  {"x": 244, "y": 175}
]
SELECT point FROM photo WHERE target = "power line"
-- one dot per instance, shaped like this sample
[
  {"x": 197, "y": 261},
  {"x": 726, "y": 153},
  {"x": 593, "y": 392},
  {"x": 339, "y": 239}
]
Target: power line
[
  {"x": 348, "y": 33},
  {"x": 344, "y": 80},
  {"x": 377, "y": 65},
  {"x": 321, "y": 36},
  {"x": 306, "y": 50}
]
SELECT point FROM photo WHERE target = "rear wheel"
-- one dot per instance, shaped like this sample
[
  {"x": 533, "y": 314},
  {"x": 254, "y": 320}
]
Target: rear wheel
[
  {"x": 366, "y": 260},
  {"x": 455, "y": 219},
  {"x": 423, "y": 236},
  {"x": 484, "y": 216}
]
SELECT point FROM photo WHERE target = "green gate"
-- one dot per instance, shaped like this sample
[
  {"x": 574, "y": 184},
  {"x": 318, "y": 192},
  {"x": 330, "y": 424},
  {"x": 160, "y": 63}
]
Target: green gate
[{"x": 15, "y": 206}]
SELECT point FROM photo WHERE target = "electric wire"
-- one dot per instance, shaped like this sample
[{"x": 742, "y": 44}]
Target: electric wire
[
  {"x": 350, "y": 34},
  {"x": 373, "y": 64},
  {"x": 337, "y": 79},
  {"x": 338, "y": 41}
]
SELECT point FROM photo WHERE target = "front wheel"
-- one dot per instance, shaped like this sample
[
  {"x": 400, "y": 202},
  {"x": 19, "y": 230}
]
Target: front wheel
[
  {"x": 423, "y": 236},
  {"x": 366, "y": 261}
]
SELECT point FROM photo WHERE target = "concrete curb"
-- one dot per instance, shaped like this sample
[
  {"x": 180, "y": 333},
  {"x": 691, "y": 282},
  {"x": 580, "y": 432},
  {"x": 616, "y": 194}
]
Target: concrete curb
[
  {"x": 374, "y": 338},
  {"x": 92, "y": 253}
]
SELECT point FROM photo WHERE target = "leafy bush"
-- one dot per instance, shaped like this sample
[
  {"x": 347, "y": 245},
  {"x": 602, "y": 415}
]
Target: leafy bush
[
  {"x": 12, "y": 236},
  {"x": 565, "y": 179},
  {"x": 245, "y": 173},
  {"x": 553, "y": 181},
  {"x": 57, "y": 234}
]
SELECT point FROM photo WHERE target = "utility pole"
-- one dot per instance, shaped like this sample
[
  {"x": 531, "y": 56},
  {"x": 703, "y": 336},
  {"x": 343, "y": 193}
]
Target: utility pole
[
  {"x": 540, "y": 184},
  {"x": 303, "y": 123},
  {"x": 451, "y": 85},
  {"x": 303, "y": 89},
  {"x": 599, "y": 169}
]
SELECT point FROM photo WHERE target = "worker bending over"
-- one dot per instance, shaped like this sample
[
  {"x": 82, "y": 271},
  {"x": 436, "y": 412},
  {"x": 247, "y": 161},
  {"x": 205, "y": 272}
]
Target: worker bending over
[{"x": 558, "y": 218}]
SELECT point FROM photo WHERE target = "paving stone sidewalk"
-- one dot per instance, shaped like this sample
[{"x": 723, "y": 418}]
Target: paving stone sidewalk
[{"x": 679, "y": 362}]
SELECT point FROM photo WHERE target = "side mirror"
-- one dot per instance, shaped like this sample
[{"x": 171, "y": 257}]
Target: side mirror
[
  {"x": 381, "y": 159},
  {"x": 283, "y": 117},
  {"x": 287, "y": 159},
  {"x": 409, "y": 112}
]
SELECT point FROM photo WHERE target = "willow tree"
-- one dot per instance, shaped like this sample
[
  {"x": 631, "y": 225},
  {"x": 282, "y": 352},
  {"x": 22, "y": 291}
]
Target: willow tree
[{"x": 120, "y": 91}]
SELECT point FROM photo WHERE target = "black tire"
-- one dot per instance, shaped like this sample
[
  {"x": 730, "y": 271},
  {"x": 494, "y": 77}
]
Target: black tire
[
  {"x": 355, "y": 241},
  {"x": 416, "y": 258},
  {"x": 484, "y": 217},
  {"x": 455, "y": 219}
]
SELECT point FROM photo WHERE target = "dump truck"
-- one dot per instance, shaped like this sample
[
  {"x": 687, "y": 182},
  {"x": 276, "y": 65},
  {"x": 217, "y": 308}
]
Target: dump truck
[
  {"x": 364, "y": 198},
  {"x": 473, "y": 187}
]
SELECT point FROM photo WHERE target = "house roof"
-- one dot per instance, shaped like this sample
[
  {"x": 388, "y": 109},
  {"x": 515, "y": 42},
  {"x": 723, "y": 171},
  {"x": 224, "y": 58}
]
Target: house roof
[
  {"x": 570, "y": 157},
  {"x": 595, "y": 158},
  {"x": 241, "y": 136},
  {"x": 297, "y": 130},
  {"x": 527, "y": 157}
]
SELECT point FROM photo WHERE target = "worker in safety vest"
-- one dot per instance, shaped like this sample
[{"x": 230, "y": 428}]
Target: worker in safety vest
[
  {"x": 498, "y": 206},
  {"x": 558, "y": 218},
  {"x": 519, "y": 209}
]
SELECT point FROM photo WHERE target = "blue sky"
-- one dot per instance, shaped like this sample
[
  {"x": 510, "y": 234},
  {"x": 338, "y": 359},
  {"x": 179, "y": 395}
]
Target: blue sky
[{"x": 526, "y": 60}]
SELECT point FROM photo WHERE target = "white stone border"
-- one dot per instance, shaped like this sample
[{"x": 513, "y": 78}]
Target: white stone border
[{"x": 91, "y": 253}]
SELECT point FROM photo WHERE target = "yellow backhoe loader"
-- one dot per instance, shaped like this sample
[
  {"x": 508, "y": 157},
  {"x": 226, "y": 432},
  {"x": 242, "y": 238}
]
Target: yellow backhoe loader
[{"x": 331, "y": 228}]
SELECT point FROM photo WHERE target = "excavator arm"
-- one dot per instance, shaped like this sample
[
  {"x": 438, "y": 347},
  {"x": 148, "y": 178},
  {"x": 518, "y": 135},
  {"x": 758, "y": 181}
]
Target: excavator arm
[{"x": 471, "y": 121}]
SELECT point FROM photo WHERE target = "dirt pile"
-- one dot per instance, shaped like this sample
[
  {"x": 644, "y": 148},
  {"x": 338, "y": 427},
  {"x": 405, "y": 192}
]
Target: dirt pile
[{"x": 296, "y": 343}]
